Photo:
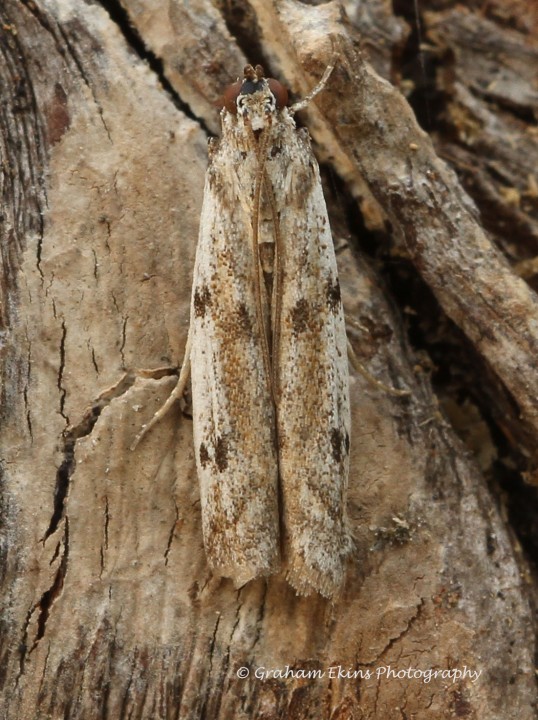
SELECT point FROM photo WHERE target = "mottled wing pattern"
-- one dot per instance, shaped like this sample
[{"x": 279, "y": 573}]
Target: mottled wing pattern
[
  {"x": 233, "y": 413},
  {"x": 312, "y": 395}
]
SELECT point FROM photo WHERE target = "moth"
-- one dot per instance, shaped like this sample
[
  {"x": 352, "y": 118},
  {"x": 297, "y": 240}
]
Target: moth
[{"x": 267, "y": 351}]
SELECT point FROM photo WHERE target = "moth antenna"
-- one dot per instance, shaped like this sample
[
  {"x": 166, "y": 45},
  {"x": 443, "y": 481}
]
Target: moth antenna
[
  {"x": 301, "y": 104},
  {"x": 249, "y": 72}
]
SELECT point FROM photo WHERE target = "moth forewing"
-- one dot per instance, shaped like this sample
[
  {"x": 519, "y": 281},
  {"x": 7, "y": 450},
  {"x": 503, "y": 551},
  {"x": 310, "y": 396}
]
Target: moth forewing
[
  {"x": 312, "y": 395},
  {"x": 233, "y": 412}
]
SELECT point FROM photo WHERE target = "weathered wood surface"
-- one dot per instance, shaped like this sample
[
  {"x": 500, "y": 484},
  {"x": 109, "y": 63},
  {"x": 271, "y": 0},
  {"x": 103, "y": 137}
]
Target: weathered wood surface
[{"x": 109, "y": 609}]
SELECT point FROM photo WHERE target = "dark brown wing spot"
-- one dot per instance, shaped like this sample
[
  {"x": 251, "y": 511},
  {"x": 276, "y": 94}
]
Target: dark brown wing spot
[
  {"x": 339, "y": 444},
  {"x": 334, "y": 296},
  {"x": 243, "y": 318},
  {"x": 212, "y": 176},
  {"x": 202, "y": 300},
  {"x": 221, "y": 454},
  {"x": 300, "y": 316},
  {"x": 204, "y": 455}
]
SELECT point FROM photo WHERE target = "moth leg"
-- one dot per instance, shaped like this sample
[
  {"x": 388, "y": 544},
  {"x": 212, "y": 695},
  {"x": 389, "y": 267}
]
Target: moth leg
[
  {"x": 176, "y": 394},
  {"x": 359, "y": 367}
]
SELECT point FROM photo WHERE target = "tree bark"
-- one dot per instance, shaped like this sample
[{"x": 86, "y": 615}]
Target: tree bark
[{"x": 108, "y": 606}]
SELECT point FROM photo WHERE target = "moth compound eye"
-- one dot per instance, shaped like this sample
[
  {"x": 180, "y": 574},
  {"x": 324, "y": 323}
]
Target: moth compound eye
[
  {"x": 279, "y": 91},
  {"x": 229, "y": 97}
]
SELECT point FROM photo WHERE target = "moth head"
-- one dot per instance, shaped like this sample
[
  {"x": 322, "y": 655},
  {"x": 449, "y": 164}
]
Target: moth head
[{"x": 255, "y": 98}]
